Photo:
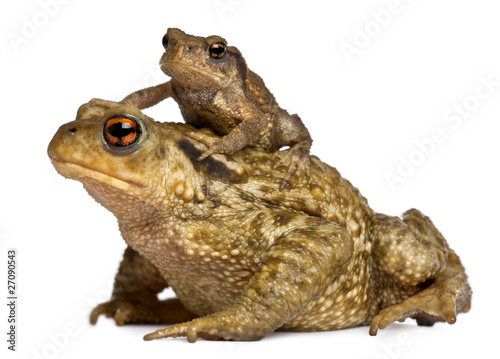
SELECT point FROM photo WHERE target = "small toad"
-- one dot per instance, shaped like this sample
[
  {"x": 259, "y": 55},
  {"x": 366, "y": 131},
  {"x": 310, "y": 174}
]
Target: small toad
[
  {"x": 214, "y": 88},
  {"x": 244, "y": 257}
]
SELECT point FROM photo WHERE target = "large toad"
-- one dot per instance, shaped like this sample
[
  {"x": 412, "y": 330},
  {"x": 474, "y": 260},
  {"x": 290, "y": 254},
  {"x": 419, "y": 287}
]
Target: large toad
[{"x": 243, "y": 257}]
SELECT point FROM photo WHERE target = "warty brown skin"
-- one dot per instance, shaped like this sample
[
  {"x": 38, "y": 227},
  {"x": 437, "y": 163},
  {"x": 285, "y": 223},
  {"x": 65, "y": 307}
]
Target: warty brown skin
[
  {"x": 244, "y": 257},
  {"x": 223, "y": 94}
]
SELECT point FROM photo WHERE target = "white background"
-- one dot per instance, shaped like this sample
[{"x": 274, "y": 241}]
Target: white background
[{"x": 365, "y": 113}]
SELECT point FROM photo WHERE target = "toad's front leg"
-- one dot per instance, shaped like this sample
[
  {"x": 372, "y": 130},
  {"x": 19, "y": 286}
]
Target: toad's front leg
[
  {"x": 298, "y": 266},
  {"x": 251, "y": 123},
  {"x": 135, "y": 298},
  {"x": 149, "y": 96}
]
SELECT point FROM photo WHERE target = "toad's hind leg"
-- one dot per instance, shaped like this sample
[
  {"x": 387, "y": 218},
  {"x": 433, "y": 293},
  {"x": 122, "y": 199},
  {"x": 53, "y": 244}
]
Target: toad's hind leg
[
  {"x": 417, "y": 274},
  {"x": 294, "y": 270},
  {"x": 289, "y": 130}
]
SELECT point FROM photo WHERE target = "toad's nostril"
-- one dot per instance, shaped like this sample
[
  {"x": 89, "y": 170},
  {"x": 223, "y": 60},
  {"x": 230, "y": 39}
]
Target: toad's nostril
[{"x": 72, "y": 130}]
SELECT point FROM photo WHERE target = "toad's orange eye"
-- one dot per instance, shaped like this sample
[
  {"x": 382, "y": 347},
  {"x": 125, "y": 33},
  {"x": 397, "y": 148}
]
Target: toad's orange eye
[
  {"x": 217, "y": 50},
  {"x": 121, "y": 131},
  {"x": 164, "y": 42}
]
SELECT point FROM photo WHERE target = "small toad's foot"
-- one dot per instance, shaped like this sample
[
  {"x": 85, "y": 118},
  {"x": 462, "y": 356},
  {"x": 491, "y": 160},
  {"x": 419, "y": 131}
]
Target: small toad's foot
[
  {"x": 298, "y": 160},
  {"x": 125, "y": 311},
  {"x": 212, "y": 327},
  {"x": 104, "y": 103},
  {"x": 434, "y": 304},
  {"x": 214, "y": 144},
  {"x": 109, "y": 104}
]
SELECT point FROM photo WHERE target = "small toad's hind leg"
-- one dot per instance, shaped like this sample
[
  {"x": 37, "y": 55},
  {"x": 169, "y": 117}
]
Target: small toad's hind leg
[
  {"x": 419, "y": 276},
  {"x": 289, "y": 130},
  {"x": 134, "y": 299}
]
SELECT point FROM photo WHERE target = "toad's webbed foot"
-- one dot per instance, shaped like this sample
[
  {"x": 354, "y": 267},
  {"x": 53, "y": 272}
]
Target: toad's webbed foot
[
  {"x": 129, "y": 311},
  {"x": 441, "y": 301},
  {"x": 297, "y": 161},
  {"x": 415, "y": 259},
  {"x": 104, "y": 103},
  {"x": 135, "y": 299},
  {"x": 238, "y": 138},
  {"x": 288, "y": 130},
  {"x": 225, "y": 325},
  {"x": 214, "y": 144}
]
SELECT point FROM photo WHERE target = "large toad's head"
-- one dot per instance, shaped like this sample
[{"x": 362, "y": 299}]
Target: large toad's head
[{"x": 130, "y": 163}]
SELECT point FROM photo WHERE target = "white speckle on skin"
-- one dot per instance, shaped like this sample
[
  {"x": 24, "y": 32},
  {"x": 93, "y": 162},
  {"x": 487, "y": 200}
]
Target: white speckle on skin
[{"x": 235, "y": 252}]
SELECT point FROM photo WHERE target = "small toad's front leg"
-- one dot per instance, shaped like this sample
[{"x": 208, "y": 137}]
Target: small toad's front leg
[
  {"x": 141, "y": 99},
  {"x": 252, "y": 123},
  {"x": 298, "y": 265},
  {"x": 149, "y": 96},
  {"x": 134, "y": 299}
]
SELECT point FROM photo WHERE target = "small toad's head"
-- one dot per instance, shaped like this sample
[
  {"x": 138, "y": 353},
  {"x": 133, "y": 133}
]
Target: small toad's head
[{"x": 201, "y": 62}]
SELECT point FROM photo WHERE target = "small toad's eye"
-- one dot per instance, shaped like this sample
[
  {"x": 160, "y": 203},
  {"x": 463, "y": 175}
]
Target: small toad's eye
[
  {"x": 164, "y": 41},
  {"x": 121, "y": 131},
  {"x": 217, "y": 50}
]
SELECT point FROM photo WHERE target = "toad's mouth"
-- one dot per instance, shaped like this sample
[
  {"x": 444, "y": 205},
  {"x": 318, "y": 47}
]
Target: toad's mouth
[
  {"x": 82, "y": 173},
  {"x": 166, "y": 66}
]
